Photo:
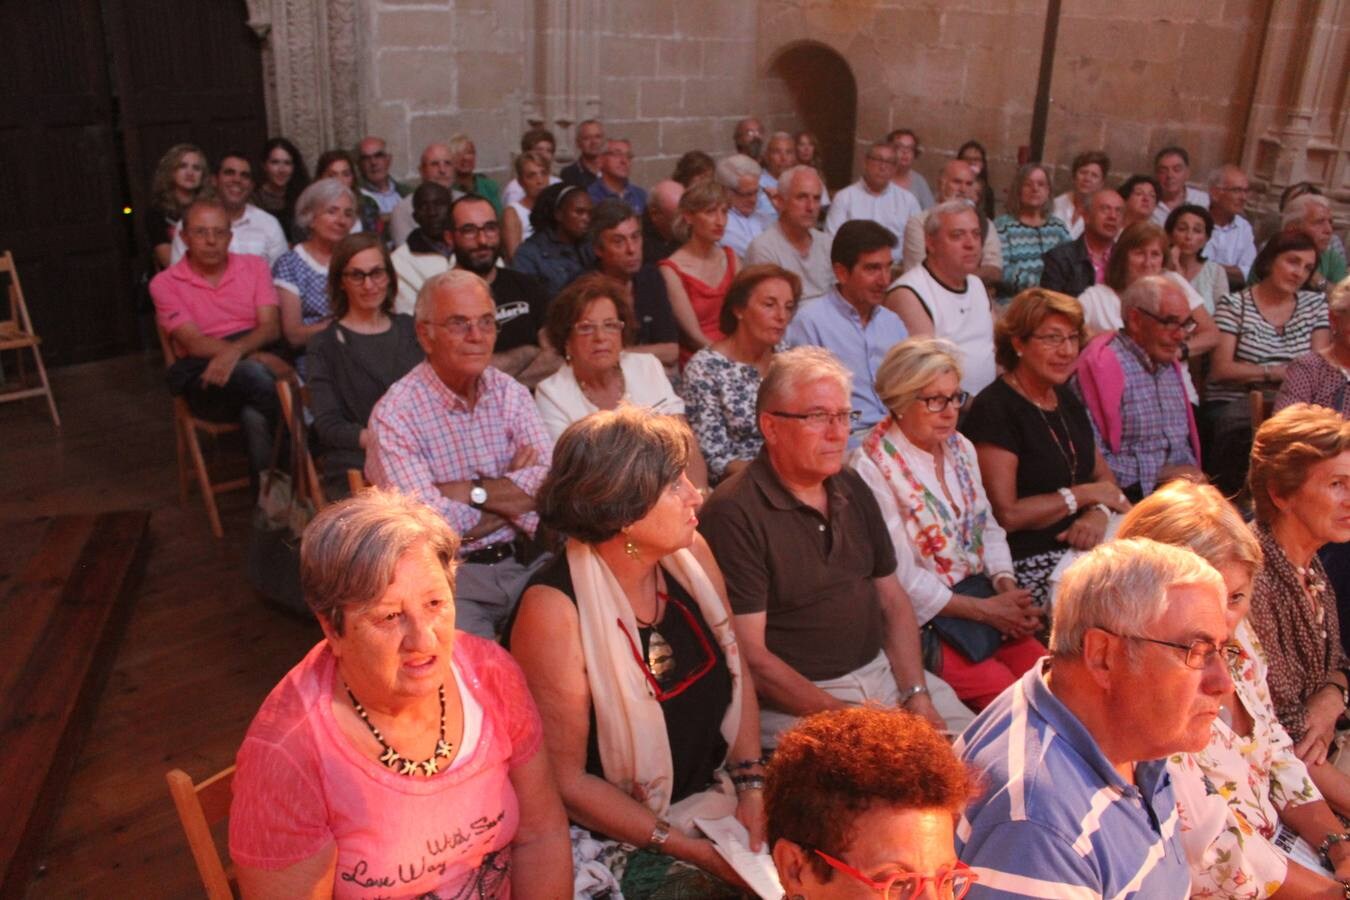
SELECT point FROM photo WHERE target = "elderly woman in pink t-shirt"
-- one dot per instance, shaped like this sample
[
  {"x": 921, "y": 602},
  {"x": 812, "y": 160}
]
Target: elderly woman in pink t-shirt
[{"x": 399, "y": 758}]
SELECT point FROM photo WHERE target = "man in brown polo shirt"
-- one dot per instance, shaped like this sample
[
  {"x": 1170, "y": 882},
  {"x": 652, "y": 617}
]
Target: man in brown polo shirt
[{"x": 819, "y": 614}]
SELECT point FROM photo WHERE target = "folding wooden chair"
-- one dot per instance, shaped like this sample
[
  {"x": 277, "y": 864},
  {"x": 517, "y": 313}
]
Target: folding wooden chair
[
  {"x": 186, "y": 426},
  {"x": 201, "y": 806},
  {"x": 356, "y": 481},
  {"x": 1256, "y": 400},
  {"x": 16, "y": 333},
  {"x": 289, "y": 394}
]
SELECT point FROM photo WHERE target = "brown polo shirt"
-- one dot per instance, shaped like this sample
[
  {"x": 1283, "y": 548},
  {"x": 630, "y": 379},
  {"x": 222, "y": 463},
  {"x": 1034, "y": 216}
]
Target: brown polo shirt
[{"x": 811, "y": 574}]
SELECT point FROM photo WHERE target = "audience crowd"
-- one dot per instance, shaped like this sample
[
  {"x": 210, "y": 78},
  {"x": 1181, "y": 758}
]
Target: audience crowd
[{"x": 902, "y": 538}]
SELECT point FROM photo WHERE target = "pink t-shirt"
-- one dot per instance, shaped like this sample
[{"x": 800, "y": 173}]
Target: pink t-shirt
[
  {"x": 182, "y": 296},
  {"x": 301, "y": 786}
]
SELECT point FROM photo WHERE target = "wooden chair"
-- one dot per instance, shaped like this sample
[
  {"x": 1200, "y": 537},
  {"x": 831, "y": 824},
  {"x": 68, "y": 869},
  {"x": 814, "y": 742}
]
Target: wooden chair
[
  {"x": 16, "y": 333},
  {"x": 356, "y": 481},
  {"x": 1257, "y": 401},
  {"x": 289, "y": 393},
  {"x": 186, "y": 427},
  {"x": 201, "y": 806}
]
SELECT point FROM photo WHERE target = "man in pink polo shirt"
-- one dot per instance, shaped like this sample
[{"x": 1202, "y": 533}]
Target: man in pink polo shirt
[{"x": 220, "y": 311}]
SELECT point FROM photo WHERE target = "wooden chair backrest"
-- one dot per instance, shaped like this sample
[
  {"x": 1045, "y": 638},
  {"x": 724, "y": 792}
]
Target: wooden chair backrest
[
  {"x": 201, "y": 806},
  {"x": 289, "y": 395},
  {"x": 18, "y": 308}
]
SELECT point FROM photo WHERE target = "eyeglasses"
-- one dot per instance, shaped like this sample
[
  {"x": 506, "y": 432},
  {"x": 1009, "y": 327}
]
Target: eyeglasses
[
  {"x": 1199, "y": 652},
  {"x": 952, "y": 881},
  {"x": 591, "y": 329},
  {"x": 459, "y": 325},
  {"x": 938, "y": 402},
  {"x": 1172, "y": 323},
  {"x": 1054, "y": 339},
  {"x": 472, "y": 231},
  {"x": 656, "y": 670},
  {"x": 822, "y": 419},
  {"x": 357, "y": 277},
  {"x": 884, "y": 160}
]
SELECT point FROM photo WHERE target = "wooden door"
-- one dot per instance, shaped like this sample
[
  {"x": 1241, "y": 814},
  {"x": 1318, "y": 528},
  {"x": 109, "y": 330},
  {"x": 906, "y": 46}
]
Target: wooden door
[
  {"x": 186, "y": 71},
  {"x": 61, "y": 188}
]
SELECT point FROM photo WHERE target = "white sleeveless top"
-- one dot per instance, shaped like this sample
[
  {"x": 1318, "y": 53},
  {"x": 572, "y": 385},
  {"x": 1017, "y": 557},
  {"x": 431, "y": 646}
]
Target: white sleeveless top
[
  {"x": 960, "y": 317},
  {"x": 526, "y": 229}
]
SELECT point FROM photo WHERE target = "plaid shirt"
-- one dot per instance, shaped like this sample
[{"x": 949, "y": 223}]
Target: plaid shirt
[
  {"x": 423, "y": 434},
  {"x": 1155, "y": 430}
]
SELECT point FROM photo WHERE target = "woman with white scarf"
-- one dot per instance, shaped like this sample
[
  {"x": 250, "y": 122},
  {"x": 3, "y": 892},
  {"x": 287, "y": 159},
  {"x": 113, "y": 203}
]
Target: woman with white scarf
[{"x": 627, "y": 645}]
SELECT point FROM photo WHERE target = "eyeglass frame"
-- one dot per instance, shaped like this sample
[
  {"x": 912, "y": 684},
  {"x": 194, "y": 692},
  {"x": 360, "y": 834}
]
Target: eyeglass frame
[
  {"x": 591, "y": 329},
  {"x": 920, "y": 879},
  {"x": 459, "y": 325},
  {"x": 1230, "y": 650},
  {"x": 357, "y": 277},
  {"x": 820, "y": 418},
  {"x": 959, "y": 399},
  {"x": 468, "y": 230},
  {"x": 1187, "y": 326},
  {"x": 1055, "y": 340}
]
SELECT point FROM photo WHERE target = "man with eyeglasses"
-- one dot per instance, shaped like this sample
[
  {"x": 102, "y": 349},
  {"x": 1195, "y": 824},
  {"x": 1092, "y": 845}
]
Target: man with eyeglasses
[
  {"x": 253, "y": 231},
  {"x": 616, "y": 163},
  {"x": 372, "y": 157},
  {"x": 1076, "y": 266},
  {"x": 943, "y": 297},
  {"x": 739, "y": 174},
  {"x": 1133, "y": 386},
  {"x": 220, "y": 311},
  {"x": 1232, "y": 244},
  {"x": 436, "y": 165},
  {"x": 819, "y": 615},
  {"x": 874, "y": 196},
  {"x": 851, "y": 321},
  {"x": 521, "y": 300},
  {"x": 466, "y": 439},
  {"x": 1077, "y": 802}
]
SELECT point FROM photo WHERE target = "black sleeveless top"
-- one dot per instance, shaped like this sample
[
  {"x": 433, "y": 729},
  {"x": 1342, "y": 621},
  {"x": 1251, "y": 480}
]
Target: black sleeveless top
[{"x": 694, "y": 715}]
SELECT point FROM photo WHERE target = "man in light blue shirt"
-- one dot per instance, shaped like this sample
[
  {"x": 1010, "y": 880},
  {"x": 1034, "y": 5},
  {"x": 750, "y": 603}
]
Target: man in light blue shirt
[
  {"x": 1078, "y": 802},
  {"x": 851, "y": 321}
]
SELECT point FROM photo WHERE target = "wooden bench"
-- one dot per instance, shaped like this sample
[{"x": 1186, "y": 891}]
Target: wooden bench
[{"x": 65, "y": 588}]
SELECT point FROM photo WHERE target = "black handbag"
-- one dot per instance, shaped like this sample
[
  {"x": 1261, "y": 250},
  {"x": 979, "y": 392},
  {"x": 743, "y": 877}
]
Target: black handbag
[{"x": 975, "y": 641}]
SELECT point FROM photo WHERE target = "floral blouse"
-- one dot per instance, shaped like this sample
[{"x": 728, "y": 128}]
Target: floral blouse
[
  {"x": 1229, "y": 795},
  {"x": 719, "y": 401}
]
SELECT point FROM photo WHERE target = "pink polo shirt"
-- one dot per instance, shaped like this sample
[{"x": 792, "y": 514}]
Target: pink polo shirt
[
  {"x": 302, "y": 786},
  {"x": 182, "y": 296}
]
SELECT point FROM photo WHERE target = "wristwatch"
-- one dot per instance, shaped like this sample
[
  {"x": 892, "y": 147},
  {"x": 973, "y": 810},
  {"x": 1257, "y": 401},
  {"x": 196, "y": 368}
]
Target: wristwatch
[
  {"x": 1344, "y": 691},
  {"x": 910, "y": 693},
  {"x": 477, "y": 493}
]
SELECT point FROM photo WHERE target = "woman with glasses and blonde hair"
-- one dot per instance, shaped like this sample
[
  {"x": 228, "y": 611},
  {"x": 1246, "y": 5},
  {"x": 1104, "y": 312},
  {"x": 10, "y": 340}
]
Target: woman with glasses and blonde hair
[
  {"x": 1047, "y": 482},
  {"x": 358, "y": 356},
  {"x": 1260, "y": 833},
  {"x": 864, "y": 802},
  {"x": 953, "y": 557},
  {"x": 627, "y": 644}
]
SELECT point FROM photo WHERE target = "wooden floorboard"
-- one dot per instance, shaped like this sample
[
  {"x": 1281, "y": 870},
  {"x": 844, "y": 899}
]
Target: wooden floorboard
[{"x": 199, "y": 653}]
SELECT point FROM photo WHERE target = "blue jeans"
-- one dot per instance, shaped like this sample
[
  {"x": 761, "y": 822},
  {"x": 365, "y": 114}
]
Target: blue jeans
[{"x": 249, "y": 397}]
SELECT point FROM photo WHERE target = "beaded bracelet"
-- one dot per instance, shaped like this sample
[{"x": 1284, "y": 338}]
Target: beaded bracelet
[
  {"x": 1324, "y": 851},
  {"x": 743, "y": 764},
  {"x": 744, "y": 783}
]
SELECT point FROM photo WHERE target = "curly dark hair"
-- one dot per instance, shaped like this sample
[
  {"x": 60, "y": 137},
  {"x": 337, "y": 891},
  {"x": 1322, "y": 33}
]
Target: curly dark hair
[
  {"x": 833, "y": 766},
  {"x": 609, "y": 469}
]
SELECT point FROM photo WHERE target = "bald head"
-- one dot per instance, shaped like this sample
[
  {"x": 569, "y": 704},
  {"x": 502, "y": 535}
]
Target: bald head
[
  {"x": 663, "y": 202},
  {"x": 437, "y": 165},
  {"x": 957, "y": 181}
]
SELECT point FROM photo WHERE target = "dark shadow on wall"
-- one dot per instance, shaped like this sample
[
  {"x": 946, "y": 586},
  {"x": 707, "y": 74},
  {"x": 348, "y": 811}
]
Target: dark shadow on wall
[{"x": 825, "y": 96}]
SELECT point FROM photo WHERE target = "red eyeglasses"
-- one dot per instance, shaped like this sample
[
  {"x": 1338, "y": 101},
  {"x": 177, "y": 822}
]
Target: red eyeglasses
[
  {"x": 709, "y": 655},
  {"x": 949, "y": 882}
]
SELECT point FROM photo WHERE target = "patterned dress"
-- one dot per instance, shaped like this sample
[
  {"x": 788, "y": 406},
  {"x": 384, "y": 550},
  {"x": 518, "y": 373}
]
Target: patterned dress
[
  {"x": 1023, "y": 246},
  {"x": 719, "y": 400}
]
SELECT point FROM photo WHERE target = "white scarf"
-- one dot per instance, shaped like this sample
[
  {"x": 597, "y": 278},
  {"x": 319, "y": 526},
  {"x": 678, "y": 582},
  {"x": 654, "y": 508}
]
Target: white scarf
[{"x": 630, "y": 726}]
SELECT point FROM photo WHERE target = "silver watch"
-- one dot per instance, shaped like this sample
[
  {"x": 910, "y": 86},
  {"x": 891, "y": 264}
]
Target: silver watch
[
  {"x": 911, "y": 692},
  {"x": 477, "y": 494}
]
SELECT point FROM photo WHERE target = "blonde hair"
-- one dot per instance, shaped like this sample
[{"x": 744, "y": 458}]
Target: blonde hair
[
  {"x": 910, "y": 365},
  {"x": 1188, "y": 514}
]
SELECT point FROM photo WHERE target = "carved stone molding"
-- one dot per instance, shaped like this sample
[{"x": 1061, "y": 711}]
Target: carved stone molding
[
  {"x": 311, "y": 52},
  {"x": 564, "y": 69}
]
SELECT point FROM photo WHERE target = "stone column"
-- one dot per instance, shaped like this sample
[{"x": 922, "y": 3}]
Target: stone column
[
  {"x": 564, "y": 69},
  {"x": 310, "y": 66}
]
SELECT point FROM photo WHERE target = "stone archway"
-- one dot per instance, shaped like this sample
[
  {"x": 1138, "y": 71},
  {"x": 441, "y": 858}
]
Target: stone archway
[{"x": 823, "y": 94}]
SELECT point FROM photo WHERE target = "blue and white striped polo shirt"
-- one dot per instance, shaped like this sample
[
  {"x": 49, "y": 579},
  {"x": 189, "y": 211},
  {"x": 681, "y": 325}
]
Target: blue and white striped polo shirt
[{"x": 1056, "y": 820}]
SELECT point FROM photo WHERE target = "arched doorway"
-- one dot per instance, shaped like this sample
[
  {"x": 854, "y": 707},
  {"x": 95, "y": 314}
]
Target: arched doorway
[{"x": 824, "y": 95}]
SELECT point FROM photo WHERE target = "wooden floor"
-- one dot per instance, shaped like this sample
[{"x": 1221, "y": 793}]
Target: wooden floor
[{"x": 200, "y": 651}]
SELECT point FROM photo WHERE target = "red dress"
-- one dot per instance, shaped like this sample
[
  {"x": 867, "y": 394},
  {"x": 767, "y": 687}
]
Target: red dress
[{"x": 705, "y": 298}]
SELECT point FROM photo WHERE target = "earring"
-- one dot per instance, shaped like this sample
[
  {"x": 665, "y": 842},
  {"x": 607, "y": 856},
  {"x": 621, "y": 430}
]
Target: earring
[{"x": 630, "y": 548}]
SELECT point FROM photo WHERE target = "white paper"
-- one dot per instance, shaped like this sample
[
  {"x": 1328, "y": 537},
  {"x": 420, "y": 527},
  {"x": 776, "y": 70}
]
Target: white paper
[{"x": 732, "y": 841}]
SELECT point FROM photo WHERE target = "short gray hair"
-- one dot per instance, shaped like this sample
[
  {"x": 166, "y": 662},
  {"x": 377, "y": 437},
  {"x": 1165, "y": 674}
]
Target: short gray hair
[
  {"x": 350, "y": 550},
  {"x": 731, "y": 169},
  {"x": 453, "y": 278},
  {"x": 1146, "y": 294},
  {"x": 910, "y": 365},
  {"x": 1122, "y": 587},
  {"x": 791, "y": 369},
  {"x": 317, "y": 196},
  {"x": 1296, "y": 211},
  {"x": 792, "y": 173},
  {"x": 933, "y": 224},
  {"x": 1216, "y": 176}
]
